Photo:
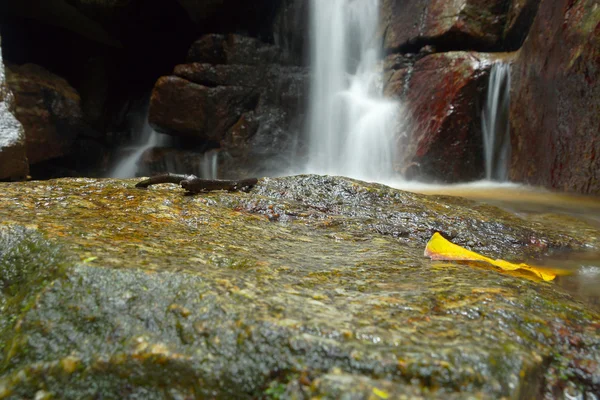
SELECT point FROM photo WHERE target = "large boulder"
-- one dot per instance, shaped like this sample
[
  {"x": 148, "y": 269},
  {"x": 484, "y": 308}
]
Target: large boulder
[
  {"x": 239, "y": 92},
  {"x": 13, "y": 159},
  {"x": 454, "y": 25},
  {"x": 555, "y": 103},
  {"x": 180, "y": 107},
  {"x": 305, "y": 287},
  {"x": 49, "y": 109},
  {"x": 443, "y": 94}
]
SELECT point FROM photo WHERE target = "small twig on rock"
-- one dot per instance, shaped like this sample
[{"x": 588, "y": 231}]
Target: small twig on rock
[
  {"x": 193, "y": 184},
  {"x": 164, "y": 178}
]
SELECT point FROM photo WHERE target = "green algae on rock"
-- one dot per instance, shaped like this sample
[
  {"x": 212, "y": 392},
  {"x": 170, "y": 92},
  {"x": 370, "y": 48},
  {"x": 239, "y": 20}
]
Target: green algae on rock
[{"x": 305, "y": 286}]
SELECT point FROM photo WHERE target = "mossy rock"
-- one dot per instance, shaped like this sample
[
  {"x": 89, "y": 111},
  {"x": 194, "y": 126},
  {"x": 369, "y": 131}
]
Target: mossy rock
[{"x": 305, "y": 287}]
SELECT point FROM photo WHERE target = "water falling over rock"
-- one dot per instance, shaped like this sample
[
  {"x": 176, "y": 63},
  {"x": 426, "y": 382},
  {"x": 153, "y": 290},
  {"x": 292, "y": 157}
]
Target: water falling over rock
[
  {"x": 127, "y": 165},
  {"x": 351, "y": 125},
  {"x": 494, "y": 123}
]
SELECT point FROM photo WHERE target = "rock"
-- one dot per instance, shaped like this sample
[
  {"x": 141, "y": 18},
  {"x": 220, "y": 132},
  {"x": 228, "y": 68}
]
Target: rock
[
  {"x": 555, "y": 100},
  {"x": 444, "y": 95},
  {"x": 13, "y": 159},
  {"x": 49, "y": 109},
  {"x": 306, "y": 286},
  {"x": 290, "y": 30},
  {"x": 260, "y": 100},
  {"x": 180, "y": 107},
  {"x": 157, "y": 160},
  {"x": 519, "y": 18},
  {"x": 233, "y": 49},
  {"x": 455, "y": 25}
]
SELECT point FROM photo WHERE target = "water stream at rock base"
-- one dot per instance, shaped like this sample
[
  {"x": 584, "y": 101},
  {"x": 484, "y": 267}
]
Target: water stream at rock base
[
  {"x": 130, "y": 165},
  {"x": 350, "y": 122},
  {"x": 494, "y": 123},
  {"x": 144, "y": 138}
]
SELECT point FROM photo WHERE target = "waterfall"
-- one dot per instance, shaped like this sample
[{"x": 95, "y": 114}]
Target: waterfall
[
  {"x": 494, "y": 123},
  {"x": 127, "y": 166},
  {"x": 351, "y": 125}
]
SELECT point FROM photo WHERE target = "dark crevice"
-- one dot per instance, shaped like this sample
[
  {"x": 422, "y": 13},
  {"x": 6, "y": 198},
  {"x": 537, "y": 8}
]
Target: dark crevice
[{"x": 516, "y": 36}]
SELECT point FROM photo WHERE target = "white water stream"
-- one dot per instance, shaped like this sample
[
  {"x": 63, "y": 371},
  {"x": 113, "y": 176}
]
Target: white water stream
[
  {"x": 147, "y": 138},
  {"x": 494, "y": 123},
  {"x": 351, "y": 125}
]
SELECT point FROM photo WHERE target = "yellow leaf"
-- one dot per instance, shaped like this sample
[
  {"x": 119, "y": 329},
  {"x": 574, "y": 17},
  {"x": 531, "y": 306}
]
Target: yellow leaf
[
  {"x": 439, "y": 248},
  {"x": 380, "y": 393}
]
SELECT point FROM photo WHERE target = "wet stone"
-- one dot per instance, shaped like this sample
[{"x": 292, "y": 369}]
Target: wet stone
[{"x": 301, "y": 288}]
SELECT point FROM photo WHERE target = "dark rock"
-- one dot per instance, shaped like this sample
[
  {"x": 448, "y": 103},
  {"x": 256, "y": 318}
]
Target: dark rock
[
  {"x": 555, "y": 100},
  {"x": 157, "y": 160},
  {"x": 257, "y": 137},
  {"x": 233, "y": 49},
  {"x": 13, "y": 159},
  {"x": 236, "y": 140},
  {"x": 443, "y": 95},
  {"x": 180, "y": 107},
  {"x": 299, "y": 288},
  {"x": 518, "y": 22},
  {"x": 290, "y": 30},
  {"x": 254, "y": 18},
  {"x": 49, "y": 109}
]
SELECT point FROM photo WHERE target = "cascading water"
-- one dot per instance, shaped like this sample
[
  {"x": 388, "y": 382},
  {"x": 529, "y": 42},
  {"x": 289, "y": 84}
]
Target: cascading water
[
  {"x": 494, "y": 123},
  {"x": 351, "y": 125},
  {"x": 127, "y": 167}
]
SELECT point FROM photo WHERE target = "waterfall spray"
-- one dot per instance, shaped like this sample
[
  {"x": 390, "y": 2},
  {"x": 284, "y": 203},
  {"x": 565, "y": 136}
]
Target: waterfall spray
[
  {"x": 351, "y": 125},
  {"x": 494, "y": 123}
]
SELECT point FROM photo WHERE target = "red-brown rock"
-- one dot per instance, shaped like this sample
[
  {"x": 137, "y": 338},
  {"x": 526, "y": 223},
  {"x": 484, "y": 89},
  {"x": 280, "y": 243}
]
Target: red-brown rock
[
  {"x": 467, "y": 23},
  {"x": 49, "y": 110},
  {"x": 455, "y": 25},
  {"x": 555, "y": 103},
  {"x": 442, "y": 94},
  {"x": 182, "y": 108}
]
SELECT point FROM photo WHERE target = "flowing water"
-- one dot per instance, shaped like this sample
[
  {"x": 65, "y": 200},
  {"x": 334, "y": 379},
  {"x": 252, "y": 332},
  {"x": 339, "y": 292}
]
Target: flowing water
[
  {"x": 581, "y": 269},
  {"x": 146, "y": 138},
  {"x": 351, "y": 124},
  {"x": 494, "y": 123}
]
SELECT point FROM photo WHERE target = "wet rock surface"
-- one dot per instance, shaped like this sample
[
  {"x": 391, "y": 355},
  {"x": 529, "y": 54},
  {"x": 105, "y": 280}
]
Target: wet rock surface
[
  {"x": 306, "y": 286},
  {"x": 49, "y": 110},
  {"x": 239, "y": 92},
  {"x": 444, "y": 94},
  {"x": 13, "y": 159},
  {"x": 455, "y": 25},
  {"x": 555, "y": 141}
]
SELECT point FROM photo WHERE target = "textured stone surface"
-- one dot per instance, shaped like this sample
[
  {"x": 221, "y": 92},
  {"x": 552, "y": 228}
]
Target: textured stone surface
[
  {"x": 444, "y": 95},
  {"x": 306, "y": 286},
  {"x": 233, "y": 49},
  {"x": 241, "y": 93},
  {"x": 13, "y": 160},
  {"x": 49, "y": 110},
  {"x": 180, "y": 107},
  {"x": 451, "y": 25},
  {"x": 555, "y": 106}
]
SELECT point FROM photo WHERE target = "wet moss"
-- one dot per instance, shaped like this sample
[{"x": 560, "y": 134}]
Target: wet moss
[
  {"x": 28, "y": 263},
  {"x": 179, "y": 296}
]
